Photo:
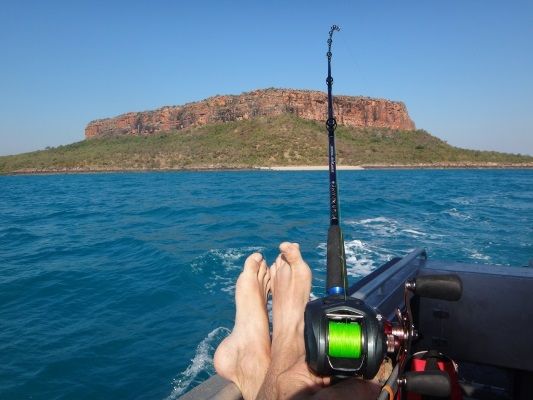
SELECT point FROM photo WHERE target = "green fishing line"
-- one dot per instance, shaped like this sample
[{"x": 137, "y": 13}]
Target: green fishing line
[{"x": 344, "y": 340}]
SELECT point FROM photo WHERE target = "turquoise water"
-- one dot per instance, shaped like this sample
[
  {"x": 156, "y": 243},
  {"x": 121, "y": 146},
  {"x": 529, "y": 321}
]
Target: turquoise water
[{"x": 121, "y": 285}]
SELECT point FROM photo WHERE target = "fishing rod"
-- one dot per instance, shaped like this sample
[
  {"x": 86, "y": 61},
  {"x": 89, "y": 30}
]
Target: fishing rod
[
  {"x": 343, "y": 336},
  {"x": 346, "y": 337},
  {"x": 336, "y": 257}
]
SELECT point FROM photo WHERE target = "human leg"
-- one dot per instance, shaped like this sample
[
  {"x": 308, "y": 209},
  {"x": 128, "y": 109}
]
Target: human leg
[
  {"x": 288, "y": 374},
  {"x": 244, "y": 356}
]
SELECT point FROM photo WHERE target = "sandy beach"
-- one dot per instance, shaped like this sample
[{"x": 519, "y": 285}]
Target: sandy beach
[{"x": 312, "y": 168}]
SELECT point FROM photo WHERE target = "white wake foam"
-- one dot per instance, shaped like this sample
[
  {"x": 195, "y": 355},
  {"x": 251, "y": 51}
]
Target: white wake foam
[
  {"x": 379, "y": 226},
  {"x": 387, "y": 228},
  {"x": 413, "y": 232},
  {"x": 455, "y": 213},
  {"x": 478, "y": 256},
  {"x": 202, "y": 362},
  {"x": 368, "y": 221},
  {"x": 361, "y": 258},
  {"x": 231, "y": 260}
]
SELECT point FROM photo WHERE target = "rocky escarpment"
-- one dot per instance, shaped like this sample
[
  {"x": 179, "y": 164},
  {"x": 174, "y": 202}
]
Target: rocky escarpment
[{"x": 312, "y": 105}]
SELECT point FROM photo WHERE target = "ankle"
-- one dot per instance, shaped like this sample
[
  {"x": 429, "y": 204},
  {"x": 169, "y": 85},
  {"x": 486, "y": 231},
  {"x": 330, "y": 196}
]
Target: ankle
[{"x": 288, "y": 333}]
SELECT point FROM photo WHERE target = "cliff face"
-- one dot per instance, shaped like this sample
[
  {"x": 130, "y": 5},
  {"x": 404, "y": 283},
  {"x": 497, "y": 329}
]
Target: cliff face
[{"x": 351, "y": 111}]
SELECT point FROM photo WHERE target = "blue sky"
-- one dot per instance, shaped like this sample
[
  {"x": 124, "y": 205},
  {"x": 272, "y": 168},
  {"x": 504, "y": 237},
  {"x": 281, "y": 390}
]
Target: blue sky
[{"x": 463, "y": 68}]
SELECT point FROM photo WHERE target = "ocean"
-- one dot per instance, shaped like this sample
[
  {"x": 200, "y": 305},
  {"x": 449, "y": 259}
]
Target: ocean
[{"x": 120, "y": 285}]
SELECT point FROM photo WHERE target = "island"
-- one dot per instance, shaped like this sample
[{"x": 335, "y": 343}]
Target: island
[{"x": 262, "y": 129}]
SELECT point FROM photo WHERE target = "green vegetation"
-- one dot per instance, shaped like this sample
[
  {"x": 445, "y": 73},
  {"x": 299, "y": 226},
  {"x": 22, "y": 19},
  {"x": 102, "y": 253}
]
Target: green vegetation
[{"x": 275, "y": 141}]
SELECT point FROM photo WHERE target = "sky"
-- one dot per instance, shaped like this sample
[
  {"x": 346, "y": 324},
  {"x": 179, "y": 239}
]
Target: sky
[{"x": 463, "y": 68}]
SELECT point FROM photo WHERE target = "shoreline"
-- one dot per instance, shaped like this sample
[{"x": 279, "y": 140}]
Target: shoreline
[
  {"x": 302, "y": 168},
  {"x": 311, "y": 168}
]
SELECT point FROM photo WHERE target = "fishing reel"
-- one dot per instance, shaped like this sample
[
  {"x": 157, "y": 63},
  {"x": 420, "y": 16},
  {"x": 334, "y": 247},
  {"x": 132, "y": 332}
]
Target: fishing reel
[
  {"x": 346, "y": 337},
  {"x": 343, "y": 335}
]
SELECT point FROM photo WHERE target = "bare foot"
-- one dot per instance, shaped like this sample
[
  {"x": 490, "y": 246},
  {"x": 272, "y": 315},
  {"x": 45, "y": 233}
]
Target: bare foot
[
  {"x": 291, "y": 286},
  {"x": 299, "y": 382},
  {"x": 244, "y": 356}
]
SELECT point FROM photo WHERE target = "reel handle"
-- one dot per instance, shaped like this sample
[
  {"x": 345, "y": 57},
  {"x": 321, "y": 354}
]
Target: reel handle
[
  {"x": 428, "y": 383},
  {"x": 443, "y": 287}
]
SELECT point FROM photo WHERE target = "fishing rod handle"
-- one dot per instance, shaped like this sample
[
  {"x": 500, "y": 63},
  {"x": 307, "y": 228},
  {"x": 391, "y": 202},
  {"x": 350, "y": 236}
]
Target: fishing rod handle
[
  {"x": 444, "y": 287},
  {"x": 428, "y": 383},
  {"x": 336, "y": 264}
]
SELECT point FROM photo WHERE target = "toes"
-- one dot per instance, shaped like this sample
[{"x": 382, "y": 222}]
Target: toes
[
  {"x": 273, "y": 269},
  {"x": 266, "y": 277},
  {"x": 278, "y": 272},
  {"x": 263, "y": 271},
  {"x": 253, "y": 263},
  {"x": 263, "y": 277},
  {"x": 291, "y": 252},
  {"x": 283, "y": 269},
  {"x": 281, "y": 263},
  {"x": 266, "y": 284}
]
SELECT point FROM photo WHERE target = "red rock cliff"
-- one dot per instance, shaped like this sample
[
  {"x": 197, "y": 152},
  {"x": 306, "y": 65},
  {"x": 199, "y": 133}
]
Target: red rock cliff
[{"x": 349, "y": 110}]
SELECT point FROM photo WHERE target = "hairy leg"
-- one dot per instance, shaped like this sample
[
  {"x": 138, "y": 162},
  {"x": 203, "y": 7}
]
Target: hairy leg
[{"x": 244, "y": 356}]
